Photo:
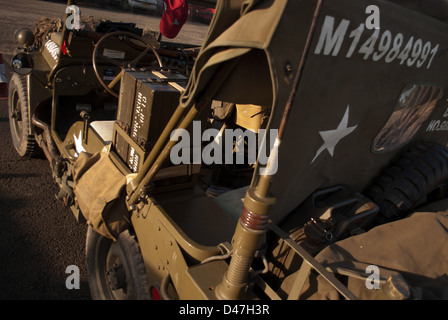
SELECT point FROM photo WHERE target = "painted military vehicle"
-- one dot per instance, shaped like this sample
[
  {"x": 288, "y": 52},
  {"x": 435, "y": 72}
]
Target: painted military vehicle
[{"x": 301, "y": 153}]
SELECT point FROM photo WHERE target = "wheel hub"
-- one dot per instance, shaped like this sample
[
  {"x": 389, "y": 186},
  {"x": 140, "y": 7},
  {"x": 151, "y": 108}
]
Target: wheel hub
[{"x": 116, "y": 276}]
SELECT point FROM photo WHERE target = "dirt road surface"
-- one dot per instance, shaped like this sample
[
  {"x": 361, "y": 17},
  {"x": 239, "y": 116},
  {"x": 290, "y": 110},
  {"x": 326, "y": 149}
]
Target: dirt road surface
[{"x": 39, "y": 237}]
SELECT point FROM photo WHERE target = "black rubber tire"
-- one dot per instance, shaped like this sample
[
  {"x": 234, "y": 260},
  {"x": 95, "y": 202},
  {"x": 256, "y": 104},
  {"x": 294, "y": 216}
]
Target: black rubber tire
[
  {"x": 410, "y": 181},
  {"x": 19, "y": 117},
  {"x": 101, "y": 252}
]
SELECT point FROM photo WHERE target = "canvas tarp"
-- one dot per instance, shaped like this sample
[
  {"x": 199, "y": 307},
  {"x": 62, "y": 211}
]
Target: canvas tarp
[
  {"x": 410, "y": 255},
  {"x": 99, "y": 189},
  {"x": 249, "y": 56},
  {"x": 237, "y": 40}
]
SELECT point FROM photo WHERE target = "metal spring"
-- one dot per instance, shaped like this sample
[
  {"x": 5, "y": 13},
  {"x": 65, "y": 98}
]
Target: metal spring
[{"x": 254, "y": 221}]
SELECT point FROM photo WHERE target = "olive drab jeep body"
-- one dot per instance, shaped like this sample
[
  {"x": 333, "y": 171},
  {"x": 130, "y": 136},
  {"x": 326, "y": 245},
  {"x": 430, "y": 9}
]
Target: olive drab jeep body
[{"x": 347, "y": 103}]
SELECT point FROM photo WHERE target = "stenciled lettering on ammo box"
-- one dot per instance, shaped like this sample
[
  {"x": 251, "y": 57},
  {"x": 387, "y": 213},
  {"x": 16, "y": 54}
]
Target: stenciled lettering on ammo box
[{"x": 139, "y": 114}]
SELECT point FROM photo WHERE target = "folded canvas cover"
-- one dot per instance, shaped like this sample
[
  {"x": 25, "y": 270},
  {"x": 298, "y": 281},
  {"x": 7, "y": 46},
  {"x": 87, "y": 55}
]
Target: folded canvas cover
[
  {"x": 405, "y": 254},
  {"x": 99, "y": 190}
]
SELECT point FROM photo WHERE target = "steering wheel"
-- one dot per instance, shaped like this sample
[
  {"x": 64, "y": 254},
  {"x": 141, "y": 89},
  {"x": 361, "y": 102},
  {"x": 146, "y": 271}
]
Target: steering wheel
[{"x": 122, "y": 35}]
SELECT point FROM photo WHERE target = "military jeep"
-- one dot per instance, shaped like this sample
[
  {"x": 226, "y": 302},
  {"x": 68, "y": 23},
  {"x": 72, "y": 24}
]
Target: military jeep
[{"x": 346, "y": 198}]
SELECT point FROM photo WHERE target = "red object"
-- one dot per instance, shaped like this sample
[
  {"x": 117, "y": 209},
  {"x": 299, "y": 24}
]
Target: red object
[
  {"x": 202, "y": 13},
  {"x": 64, "y": 47},
  {"x": 155, "y": 295},
  {"x": 3, "y": 81},
  {"x": 175, "y": 14}
]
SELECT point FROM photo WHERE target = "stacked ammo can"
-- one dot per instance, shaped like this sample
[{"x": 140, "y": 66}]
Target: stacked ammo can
[{"x": 147, "y": 101}]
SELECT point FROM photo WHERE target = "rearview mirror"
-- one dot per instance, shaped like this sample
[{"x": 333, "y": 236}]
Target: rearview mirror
[{"x": 22, "y": 63}]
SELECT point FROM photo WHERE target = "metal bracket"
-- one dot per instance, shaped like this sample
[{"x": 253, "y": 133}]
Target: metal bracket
[{"x": 313, "y": 263}]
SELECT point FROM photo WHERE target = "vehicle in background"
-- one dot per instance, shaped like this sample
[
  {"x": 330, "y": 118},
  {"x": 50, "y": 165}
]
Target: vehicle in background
[
  {"x": 153, "y": 5},
  {"x": 202, "y": 14}
]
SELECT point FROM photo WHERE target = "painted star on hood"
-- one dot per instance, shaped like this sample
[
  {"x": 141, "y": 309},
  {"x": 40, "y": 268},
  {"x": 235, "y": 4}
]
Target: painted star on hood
[
  {"x": 332, "y": 137},
  {"x": 78, "y": 144}
]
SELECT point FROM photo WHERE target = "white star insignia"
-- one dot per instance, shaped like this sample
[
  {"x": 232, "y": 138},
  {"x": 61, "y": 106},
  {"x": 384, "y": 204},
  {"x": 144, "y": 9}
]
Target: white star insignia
[
  {"x": 78, "y": 144},
  {"x": 332, "y": 137}
]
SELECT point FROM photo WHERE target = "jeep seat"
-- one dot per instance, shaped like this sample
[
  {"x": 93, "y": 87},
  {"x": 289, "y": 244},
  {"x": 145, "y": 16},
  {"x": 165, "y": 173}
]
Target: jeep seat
[{"x": 104, "y": 129}]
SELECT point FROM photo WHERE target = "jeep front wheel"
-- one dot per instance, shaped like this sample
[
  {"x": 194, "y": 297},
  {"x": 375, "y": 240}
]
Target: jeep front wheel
[
  {"x": 19, "y": 117},
  {"x": 115, "y": 268}
]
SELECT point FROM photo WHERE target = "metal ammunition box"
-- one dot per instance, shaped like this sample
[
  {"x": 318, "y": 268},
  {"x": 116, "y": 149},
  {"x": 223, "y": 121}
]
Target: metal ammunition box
[{"x": 147, "y": 101}]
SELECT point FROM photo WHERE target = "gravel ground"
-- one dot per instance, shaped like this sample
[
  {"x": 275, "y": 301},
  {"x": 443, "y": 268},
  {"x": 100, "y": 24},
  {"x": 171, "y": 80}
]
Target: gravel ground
[{"x": 40, "y": 238}]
